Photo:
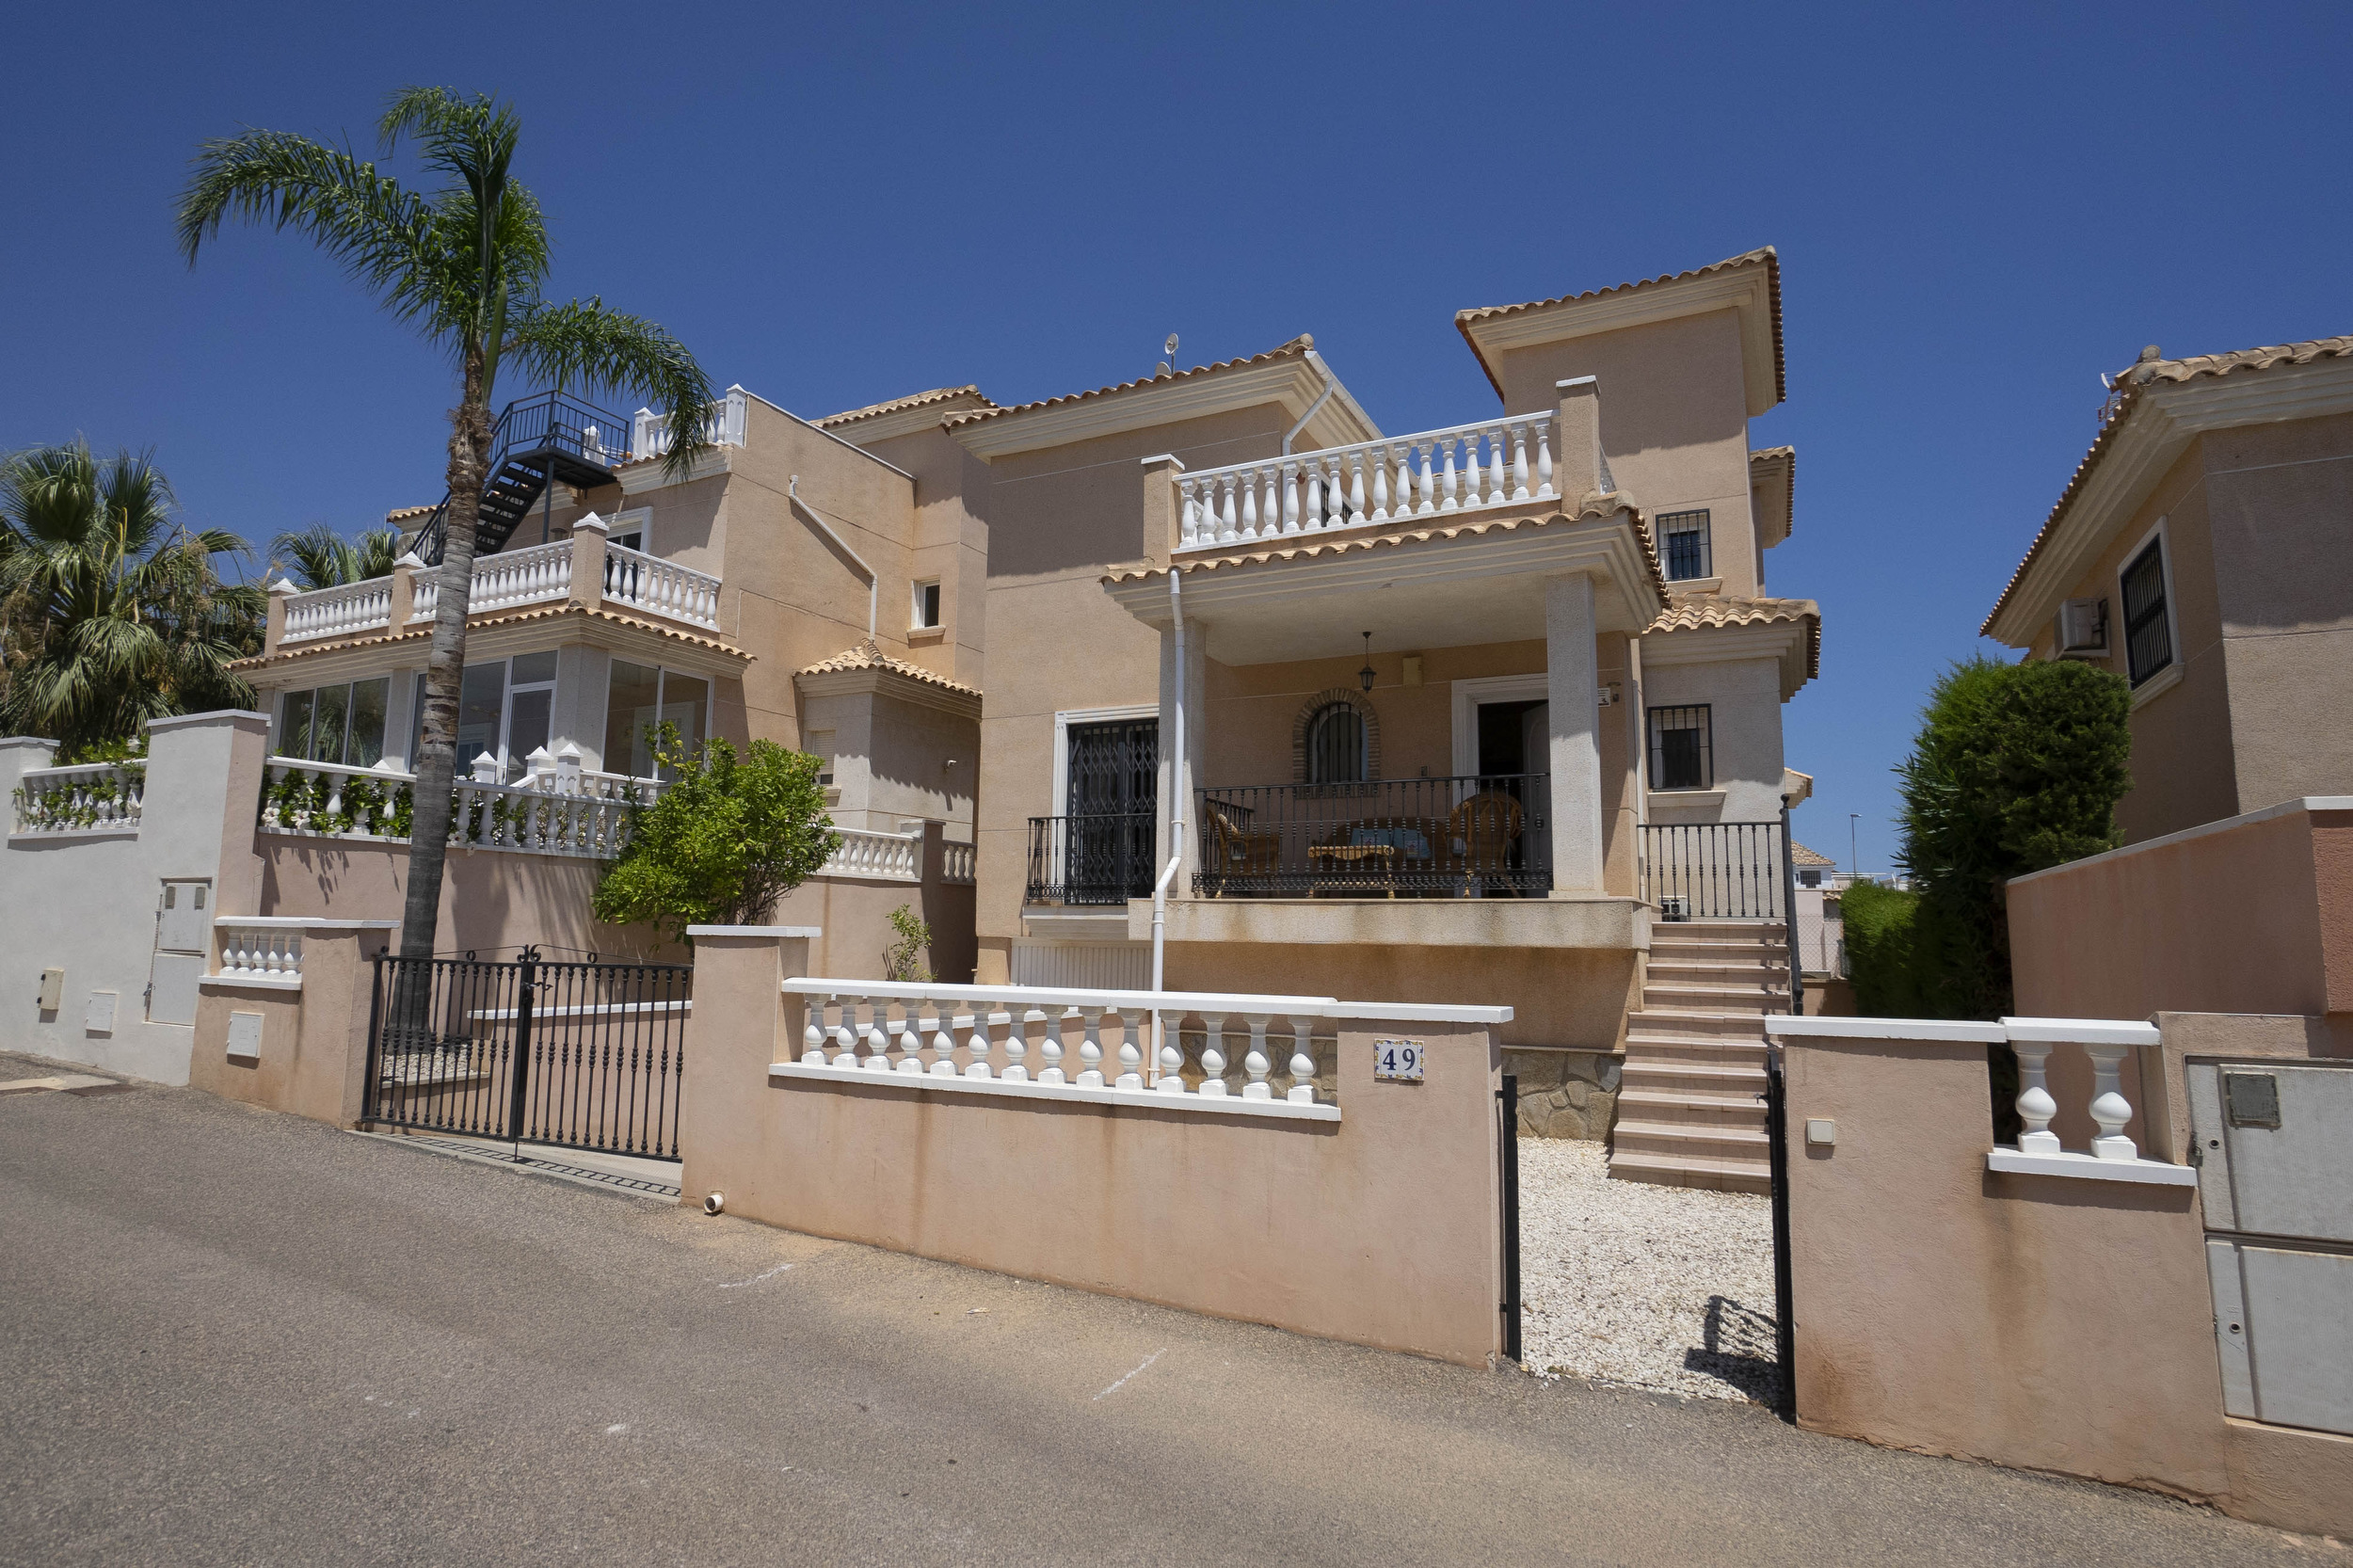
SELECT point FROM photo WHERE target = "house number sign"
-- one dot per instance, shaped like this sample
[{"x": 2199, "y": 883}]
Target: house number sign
[{"x": 1399, "y": 1061}]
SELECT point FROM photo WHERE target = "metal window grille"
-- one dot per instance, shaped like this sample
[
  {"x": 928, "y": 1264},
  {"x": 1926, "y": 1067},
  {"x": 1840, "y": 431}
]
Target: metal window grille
[
  {"x": 1679, "y": 751},
  {"x": 2148, "y": 640},
  {"x": 1684, "y": 535},
  {"x": 1336, "y": 746},
  {"x": 1114, "y": 768}
]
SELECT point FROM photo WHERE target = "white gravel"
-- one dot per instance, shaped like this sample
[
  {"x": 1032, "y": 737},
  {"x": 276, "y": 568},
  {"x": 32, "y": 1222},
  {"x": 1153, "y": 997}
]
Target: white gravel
[{"x": 1661, "y": 1287}]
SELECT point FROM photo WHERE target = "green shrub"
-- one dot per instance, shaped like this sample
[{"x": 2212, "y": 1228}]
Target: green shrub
[
  {"x": 2017, "y": 768},
  {"x": 900, "y": 959},
  {"x": 1878, "y": 922},
  {"x": 723, "y": 841}
]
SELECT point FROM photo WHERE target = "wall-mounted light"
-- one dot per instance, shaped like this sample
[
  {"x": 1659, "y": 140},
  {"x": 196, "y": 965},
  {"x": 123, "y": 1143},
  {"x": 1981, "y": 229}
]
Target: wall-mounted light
[{"x": 1363, "y": 677}]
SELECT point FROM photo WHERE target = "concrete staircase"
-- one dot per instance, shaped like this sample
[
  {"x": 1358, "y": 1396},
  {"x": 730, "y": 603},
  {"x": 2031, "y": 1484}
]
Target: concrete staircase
[{"x": 1691, "y": 1107}]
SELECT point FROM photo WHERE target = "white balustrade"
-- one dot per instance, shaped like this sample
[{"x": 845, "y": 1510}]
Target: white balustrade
[
  {"x": 956, "y": 865},
  {"x": 338, "y": 611},
  {"x": 1398, "y": 479},
  {"x": 269, "y": 949},
  {"x": 425, "y": 597},
  {"x": 642, "y": 582},
  {"x": 92, "y": 797},
  {"x": 880, "y": 857},
  {"x": 530, "y": 576},
  {"x": 909, "y": 1034},
  {"x": 565, "y": 810},
  {"x": 649, "y": 434}
]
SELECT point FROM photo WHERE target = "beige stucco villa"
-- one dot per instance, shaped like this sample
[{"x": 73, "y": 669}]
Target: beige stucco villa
[
  {"x": 1440, "y": 717},
  {"x": 789, "y": 587}
]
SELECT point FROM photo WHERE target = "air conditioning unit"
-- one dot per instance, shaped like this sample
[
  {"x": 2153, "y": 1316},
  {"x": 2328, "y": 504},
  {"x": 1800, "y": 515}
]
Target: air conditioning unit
[
  {"x": 2083, "y": 629},
  {"x": 1674, "y": 908}
]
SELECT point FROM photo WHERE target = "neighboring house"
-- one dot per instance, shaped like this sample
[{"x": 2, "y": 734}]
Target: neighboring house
[
  {"x": 789, "y": 587},
  {"x": 2204, "y": 552},
  {"x": 1567, "y": 713}
]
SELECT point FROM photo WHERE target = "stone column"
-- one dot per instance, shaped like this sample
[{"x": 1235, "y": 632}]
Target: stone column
[
  {"x": 1179, "y": 776},
  {"x": 742, "y": 1022},
  {"x": 1573, "y": 758},
  {"x": 1163, "y": 512},
  {"x": 589, "y": 538},
  {"x": 1578, "y": 465}
]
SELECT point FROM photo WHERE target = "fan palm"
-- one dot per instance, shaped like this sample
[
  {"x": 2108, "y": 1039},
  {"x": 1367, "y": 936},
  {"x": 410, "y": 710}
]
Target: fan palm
[
  {"x": 464, "y": 266},
  {"x": 318, "y": 557},
  {"x": 113, "y": 614}
]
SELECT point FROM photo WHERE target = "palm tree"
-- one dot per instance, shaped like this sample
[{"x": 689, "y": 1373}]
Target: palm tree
[
  {"x": 318, "y": 557},
  {"x": 464, "y": 266},
  {"x": 112, "y": 613}
]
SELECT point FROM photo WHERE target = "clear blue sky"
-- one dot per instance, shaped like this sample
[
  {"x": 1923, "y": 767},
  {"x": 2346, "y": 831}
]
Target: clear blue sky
[{"x": 1976, "y": 213}]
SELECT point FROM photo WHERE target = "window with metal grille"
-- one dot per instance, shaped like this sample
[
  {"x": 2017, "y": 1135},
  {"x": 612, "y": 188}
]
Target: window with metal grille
[
  {"x": 1114, "y": 767},
  {"x": 1679, "y": 757},
  {"x": 2148, "y": 639},
  {"x": 1336, "y": 746},
  {"x": 1684, "y": 537}
]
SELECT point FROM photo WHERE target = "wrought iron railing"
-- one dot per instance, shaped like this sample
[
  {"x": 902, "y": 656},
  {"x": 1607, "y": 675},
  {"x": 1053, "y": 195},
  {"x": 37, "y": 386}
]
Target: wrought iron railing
[
  {"x": 1486, "y": 835},
  {"x": 1097, "y": 859},
  {"x": 551, "y": 422},
  {"x": 1718, "y": 870},
  {"x": 584, "y": 1055}
]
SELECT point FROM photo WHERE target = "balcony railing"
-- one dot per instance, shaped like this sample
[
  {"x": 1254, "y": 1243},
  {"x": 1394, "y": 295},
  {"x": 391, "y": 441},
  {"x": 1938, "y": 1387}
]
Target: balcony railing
[
  {"x": 1474, "y": 836},
  {"x": 558, "y": 808},
  {"x": 1718, "y": 870},
  {"x": 1095, "y": 859},
  {"x": 507, "y": 580},
  {"x": 650, "y": 433},
  {"x": 1397, "y": 479},
  {"x": 92, "y": 797}
]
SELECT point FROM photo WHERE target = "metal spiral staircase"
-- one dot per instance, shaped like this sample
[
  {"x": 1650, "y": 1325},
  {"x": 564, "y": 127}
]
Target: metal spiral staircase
[{"x": 537, "y": 440}]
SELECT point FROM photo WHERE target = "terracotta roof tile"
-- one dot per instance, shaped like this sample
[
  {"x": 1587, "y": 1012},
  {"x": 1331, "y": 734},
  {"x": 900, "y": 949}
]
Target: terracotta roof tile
[
  {"x": 2140, "y": 376},
  {"x": 1314, "y": 545},
  {"x": 1705, "y": 611},
  {"x": 422, "y": 631},
  {"x": 1805, "y": 857},
  {"x": 865, "y": 656},
  {"x": 938, "y": 395},
  {"x": 1294, "y": 349},
  {"x": 1766, "y": 255}
]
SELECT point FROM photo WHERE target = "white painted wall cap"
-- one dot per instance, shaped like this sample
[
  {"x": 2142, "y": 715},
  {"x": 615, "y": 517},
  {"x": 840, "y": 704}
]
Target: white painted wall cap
[
  {"x": 811, "y": 932},
  {"x": 2103, "y": 1032},
  {"x": 1882, "y": 1029},
  {"x": 1233, "y": 1003},
  {"x": 218, "y": 715},
  {"x": 302, "y": 922}
]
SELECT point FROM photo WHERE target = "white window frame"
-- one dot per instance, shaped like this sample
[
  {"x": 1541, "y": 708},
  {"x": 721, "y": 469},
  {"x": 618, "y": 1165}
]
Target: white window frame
[
  {"x": 2121, "y": 627},
  {"x": 914, "y": 605},
  {"x": 1468, "y": 694},
  {"x": 637, "y": 519},
  {"x": 1059, "y": 801},
  {"x": 661, "y": 699}
]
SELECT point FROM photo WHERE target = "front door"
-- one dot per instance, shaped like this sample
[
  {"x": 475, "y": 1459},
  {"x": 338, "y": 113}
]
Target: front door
[{"x": 1113, "y": 797}]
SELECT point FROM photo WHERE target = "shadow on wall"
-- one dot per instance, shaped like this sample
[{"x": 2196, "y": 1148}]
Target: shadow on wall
[{"x": 491, "y": 902}]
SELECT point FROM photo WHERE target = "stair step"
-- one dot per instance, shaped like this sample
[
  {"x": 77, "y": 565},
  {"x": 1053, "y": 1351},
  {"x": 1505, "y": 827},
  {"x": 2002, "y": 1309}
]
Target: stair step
[
  {"x": 1713, "y": 971},
  {"x": 1726, "y": 1077},
  {"x": 1694, "y": 1022},
  {"x": 1717, "y": 953},
  {"x": 1687, "y": 1108},
  {"x": 1741, "y": 1001},
  {"x": 1722, "y": 1176}
]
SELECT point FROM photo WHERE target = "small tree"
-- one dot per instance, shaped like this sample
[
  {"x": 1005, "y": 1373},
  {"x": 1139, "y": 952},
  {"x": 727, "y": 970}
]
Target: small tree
[
  {"x": 900, "y": 959},
  {"x": 724, "y": 842},
  {"x": 2017, "y": 768}
]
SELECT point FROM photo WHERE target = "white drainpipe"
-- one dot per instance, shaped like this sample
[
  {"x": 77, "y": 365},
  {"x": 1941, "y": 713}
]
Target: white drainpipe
[
  {"x": 1331, "y": 385},
  {"x": 1175, "y": 819},
  {"x": 874, "y": 583}
]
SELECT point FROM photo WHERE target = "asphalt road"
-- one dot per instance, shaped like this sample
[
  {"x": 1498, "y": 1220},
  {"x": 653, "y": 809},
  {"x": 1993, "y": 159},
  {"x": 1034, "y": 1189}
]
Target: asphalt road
[{"x": 232, "y": 1336}]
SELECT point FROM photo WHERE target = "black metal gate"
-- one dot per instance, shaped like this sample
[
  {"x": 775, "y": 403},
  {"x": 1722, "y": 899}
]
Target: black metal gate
[
  {"x": 1784, "y": 1309},
  {"x": 587, "y": 1056},
  {"x": 1508, "y": 1104}
]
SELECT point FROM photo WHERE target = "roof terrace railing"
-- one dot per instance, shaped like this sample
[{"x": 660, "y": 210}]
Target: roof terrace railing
[{"x": 1495, "y": 462}]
